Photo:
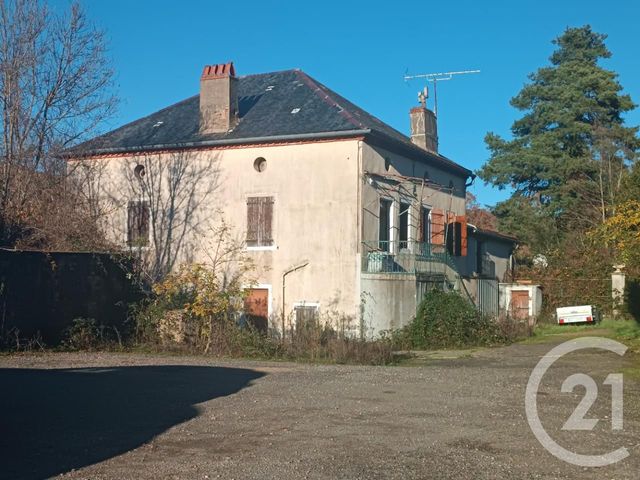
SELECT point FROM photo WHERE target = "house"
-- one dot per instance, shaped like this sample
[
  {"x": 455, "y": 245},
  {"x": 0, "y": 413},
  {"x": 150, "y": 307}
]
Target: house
[
  {"x": 342, "y": 214},
  {"x": 488, "y": 264}
]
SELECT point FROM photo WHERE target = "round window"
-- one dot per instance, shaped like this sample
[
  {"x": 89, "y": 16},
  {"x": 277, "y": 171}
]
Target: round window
[
  {"x": 139, "y": 171},
  {"x": 260, "y": 164}
]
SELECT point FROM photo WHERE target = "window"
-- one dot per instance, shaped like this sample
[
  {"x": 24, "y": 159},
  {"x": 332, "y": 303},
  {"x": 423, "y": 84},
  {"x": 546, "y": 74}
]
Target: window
[
  {"x": 384, "y": 225},
  {"x": 404, "y": 225},
  {"x": 454, "y": 238},
  {"x": 306, "y": 316},
  {"x": 259, "y": 221},
  {"x": 138, "y": 216},
  {"x": 457, "y": 236},
  {"x": 260, "y": 164},
  {"x": 424, "y": 232}
]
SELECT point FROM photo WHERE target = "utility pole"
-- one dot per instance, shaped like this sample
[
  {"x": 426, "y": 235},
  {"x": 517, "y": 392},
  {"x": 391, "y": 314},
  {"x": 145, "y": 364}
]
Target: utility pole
[{"x": 435, "y": 78}]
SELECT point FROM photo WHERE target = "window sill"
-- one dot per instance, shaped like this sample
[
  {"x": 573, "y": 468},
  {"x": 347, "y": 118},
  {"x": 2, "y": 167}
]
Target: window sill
[{"x": 263, "y": 248}]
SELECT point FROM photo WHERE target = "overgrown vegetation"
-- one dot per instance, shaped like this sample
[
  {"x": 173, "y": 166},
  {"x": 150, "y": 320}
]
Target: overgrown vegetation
[
  {"x": 86, "y": 334},
  {"x": 162, "y": 325},
  {"x": 445, "y": 319}
]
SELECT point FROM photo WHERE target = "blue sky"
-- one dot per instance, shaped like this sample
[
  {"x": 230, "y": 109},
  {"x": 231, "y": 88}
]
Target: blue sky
[{"x": 362, "y": 50}]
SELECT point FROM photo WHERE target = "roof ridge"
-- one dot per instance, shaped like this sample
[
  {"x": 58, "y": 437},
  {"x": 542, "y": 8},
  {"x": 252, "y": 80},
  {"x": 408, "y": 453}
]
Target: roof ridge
[
  {"x": 286, "y": 70},
  {"x": 316, "y": 87}
]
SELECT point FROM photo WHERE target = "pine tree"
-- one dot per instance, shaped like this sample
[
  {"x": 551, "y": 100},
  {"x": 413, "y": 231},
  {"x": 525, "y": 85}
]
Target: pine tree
[{"x": 570, "y": 151}]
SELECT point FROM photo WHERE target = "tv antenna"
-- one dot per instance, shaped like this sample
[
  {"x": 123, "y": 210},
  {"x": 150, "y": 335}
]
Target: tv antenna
[{"x": 434, "y": 78}]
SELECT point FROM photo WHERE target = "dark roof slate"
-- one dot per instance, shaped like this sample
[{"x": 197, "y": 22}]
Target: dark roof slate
[{"x": 266, "y": 102}]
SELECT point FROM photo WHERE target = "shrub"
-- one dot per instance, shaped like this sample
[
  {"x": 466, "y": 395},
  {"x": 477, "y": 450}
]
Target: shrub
[
  {"x": 445, "y": 319},
  {"x": 87, "y": 334}
]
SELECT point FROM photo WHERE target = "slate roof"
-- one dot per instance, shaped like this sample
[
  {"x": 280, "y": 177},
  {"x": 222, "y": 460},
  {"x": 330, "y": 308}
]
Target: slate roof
[
  {"x": 266, "y": 102},
  {"x": 493, "y": 234}
]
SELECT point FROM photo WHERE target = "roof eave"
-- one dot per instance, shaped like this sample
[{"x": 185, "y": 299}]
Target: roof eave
[
  {"x": 495, "y": 235},
  {"x": 221, "y": 143},
  {"x": 417, "y": 153}
]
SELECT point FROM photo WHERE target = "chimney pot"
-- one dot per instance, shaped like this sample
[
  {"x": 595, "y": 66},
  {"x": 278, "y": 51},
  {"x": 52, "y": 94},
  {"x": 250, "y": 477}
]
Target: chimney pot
[{"x": 218, "y": 98}]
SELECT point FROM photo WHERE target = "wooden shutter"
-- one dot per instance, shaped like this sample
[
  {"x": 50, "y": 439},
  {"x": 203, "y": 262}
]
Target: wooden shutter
[
  {"x": 437, "y": 226},
  {"x": 266, "y": 221},
  {"x": 462, "y": 220},
  {"x": 259, "y": 221},
  {"x": 253, "y": 220}
]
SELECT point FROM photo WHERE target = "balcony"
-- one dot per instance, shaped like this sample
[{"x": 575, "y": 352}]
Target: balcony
[{"x": 406, "y": 258}]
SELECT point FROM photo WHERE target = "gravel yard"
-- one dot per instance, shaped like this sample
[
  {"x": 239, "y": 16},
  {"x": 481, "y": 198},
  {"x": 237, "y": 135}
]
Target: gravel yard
[{"x": 121, "y": 416}]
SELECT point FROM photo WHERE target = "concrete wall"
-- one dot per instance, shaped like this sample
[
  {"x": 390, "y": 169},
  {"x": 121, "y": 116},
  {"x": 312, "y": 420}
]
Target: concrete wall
[
  {"x": 315, "y": 186},
  {"x": 388, "y": 302}
]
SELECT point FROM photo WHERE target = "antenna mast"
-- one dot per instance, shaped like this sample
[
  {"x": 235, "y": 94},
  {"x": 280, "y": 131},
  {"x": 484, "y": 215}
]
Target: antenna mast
[{"x": 435, "y": 78}]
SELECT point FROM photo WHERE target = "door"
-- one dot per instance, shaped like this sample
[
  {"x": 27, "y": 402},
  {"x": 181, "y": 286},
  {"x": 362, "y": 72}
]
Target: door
[
  {"x": 520, "y": 304},
  {"x": 256, "y": 308}
]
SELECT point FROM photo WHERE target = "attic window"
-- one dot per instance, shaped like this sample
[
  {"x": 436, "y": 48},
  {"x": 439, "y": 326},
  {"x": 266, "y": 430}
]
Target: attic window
[
  {"x": 260, "y": 164},
  {"x": 269, "y": 88},
  {"x": 158, "y": 124},
  {"x": 139, "y": 172},
  {"x": 295, "y": 110}
]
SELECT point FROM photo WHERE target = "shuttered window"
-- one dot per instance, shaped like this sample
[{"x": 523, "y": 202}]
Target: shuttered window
[
  {"x": 306, "y": 317},
  {"x": 403, "y": 234},
  {"x": 424, "y": 230},
  {"x": 138, "y": 217},
  {"x": 259, "y": 221},
  {"x": 457, "y": 236},
  {"x": 437, "y": 227},
  {"x": 384, "y": 225}
]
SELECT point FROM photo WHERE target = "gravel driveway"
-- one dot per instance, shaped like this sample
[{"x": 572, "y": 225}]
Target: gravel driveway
[{"x": 121, "y": 416}]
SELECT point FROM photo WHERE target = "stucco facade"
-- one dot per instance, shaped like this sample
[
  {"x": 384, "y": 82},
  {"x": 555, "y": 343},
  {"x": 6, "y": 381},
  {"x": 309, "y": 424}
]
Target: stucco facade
[
  {"x": 360, "y": 218},
  {"x": 325, "y": 212}
]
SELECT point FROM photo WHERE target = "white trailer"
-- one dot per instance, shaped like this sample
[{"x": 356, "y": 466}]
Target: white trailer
[{"x": 577, "y": 314}]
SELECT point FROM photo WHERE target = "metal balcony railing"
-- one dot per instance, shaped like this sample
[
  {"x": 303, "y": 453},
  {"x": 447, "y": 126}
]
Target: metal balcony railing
[{"x": 406, "y": 257}]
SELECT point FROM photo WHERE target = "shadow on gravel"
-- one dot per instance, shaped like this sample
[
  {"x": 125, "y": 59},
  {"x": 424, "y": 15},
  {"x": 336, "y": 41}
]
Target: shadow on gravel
[{"x": 53, "y": 421}]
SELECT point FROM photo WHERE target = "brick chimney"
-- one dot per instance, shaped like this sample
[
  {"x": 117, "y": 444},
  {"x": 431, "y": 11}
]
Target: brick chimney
[
  {"x": 218, "y": 98},
  {"x": 424, "y": 129}
]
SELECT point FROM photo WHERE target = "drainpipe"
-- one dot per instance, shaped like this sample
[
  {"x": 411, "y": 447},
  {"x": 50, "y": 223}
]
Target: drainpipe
[{"x": 284, "y": 279}]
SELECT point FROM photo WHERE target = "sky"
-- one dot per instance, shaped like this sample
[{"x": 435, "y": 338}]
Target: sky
[{"x": 362, "y": 50}]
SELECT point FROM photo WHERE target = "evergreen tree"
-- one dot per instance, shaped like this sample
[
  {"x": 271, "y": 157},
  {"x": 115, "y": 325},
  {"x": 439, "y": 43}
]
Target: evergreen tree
[{"x": 570, "y": 151}]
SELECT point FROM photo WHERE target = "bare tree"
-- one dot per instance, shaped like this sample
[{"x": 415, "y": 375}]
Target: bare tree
[
  {"x": 168, "y": 191},
  {"x": 55, "y": 90}
]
